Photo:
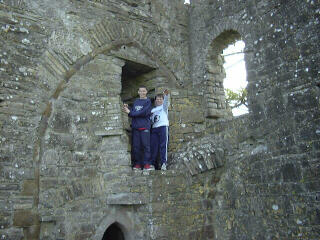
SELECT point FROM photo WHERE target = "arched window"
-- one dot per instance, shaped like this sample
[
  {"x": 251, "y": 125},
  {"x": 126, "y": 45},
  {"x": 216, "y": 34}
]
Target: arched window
[
  {"x": 236, "y": 78},
  {"x": 215, "y": 96},
  {"x": 113, "y": 232}
]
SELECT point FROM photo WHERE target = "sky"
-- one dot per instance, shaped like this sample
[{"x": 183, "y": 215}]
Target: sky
[{"x": 236, "y": 76}]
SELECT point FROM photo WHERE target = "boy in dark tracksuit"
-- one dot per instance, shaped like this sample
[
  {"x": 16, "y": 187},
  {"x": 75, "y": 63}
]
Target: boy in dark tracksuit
[{"x": 141, "y": 124}]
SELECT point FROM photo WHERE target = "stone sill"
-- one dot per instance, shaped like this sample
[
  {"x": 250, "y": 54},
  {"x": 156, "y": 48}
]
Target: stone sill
[{"x": 127, "y": 199}]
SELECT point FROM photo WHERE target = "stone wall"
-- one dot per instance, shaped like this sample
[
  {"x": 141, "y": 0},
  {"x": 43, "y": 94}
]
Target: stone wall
[
  {"x": 65, "y": 153},
  {"x": 270, "y": 184},
  {"x": 65, "y": 162}
]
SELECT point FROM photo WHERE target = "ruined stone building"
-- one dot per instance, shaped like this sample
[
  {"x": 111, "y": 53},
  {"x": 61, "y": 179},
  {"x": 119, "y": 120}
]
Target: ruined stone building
[{"x": 66, "y": 67}]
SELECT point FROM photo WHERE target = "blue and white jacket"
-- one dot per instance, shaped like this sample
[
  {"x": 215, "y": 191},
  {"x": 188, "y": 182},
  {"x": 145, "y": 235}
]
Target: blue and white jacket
[{"x": 159, "y": 115}]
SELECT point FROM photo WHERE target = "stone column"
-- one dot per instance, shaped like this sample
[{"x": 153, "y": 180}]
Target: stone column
[
  {"x": 214, "y": 92},
  {"x": 114, "y": 149}
]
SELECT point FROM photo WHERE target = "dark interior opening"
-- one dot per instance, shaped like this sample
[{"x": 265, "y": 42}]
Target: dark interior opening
[
  {"x": 113, "y": 232},
  {"x": 132, "y": 78},
  {"x": 133, "y": 70}
]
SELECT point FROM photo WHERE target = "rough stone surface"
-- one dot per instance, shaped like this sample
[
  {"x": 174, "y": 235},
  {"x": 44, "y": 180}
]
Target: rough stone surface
[{"x": 67, "y": 66}]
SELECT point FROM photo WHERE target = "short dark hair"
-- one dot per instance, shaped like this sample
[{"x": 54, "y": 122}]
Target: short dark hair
[
  {"x": 160, "y": 95},
  {"x": 143, "y": 87}
]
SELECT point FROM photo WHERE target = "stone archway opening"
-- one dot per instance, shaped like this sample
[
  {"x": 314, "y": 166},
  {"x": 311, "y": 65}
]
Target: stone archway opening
[
  {"x": 113, "y": 232},
  {"x": 133, "y": 76},
  {"x": 217, "y": 106}
]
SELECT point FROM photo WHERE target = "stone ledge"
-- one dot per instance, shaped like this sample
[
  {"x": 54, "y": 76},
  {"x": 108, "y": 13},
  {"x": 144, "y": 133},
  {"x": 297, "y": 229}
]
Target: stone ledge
[
  {"x": 200, "y": 156},
  {"x": 217, "y": 113},
  {"x": 113, "y": 132},
  {"x": 156, "y": 173},
  {"x": 48, "y": 218},
  {"x": 127, "y": 199}
]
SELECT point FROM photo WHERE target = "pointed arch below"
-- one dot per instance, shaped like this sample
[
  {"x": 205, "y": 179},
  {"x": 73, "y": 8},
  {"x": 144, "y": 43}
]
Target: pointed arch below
[
  {"x": 114, "y": 232},
  {"x": 123, "y": 220}
]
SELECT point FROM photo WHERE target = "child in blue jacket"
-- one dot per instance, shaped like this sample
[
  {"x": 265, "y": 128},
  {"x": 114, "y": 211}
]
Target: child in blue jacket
[{"x": 141, "y": 124}]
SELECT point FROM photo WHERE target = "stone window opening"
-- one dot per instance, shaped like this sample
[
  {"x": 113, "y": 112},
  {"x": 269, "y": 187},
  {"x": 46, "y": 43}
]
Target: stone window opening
[
  {"x": 133, "y": 76},
  {"x": 215, "y": 97},
  {"x": 113, "y": 232},
  {"x": 235, "y": 81},
  {"x": 187, "y": 2}
]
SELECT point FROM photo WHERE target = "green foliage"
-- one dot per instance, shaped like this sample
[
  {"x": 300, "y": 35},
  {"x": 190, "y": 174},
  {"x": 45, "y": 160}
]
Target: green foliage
[{"x": 237, "y": 98}]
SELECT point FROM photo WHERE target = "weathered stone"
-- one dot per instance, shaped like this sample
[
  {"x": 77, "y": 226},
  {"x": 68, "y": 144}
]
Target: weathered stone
[
  {"x": 25, "y": 218},
  {"x": 61, "y": 122},
  {"x": 9, "y": 187},
  {"x": 109, "y": 131},
  {"x": 127, "y": 199},
  {"x": 65, "y": 146},
  {"x": 192, "y": 116}
]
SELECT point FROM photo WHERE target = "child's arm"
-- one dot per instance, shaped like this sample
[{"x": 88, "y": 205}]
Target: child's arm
[
  {"x": 146, "y": 111},
  {"x": 166, "y": 101}
]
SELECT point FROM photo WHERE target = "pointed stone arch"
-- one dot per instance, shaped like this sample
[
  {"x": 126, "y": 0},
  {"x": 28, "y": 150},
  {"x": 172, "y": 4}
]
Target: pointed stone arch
[
  {"x": 123, "y": 220},
  {"x": 114, "y": 232},
  {"x": 108, "y": 35},
  {"x": 101, "y": 39}
]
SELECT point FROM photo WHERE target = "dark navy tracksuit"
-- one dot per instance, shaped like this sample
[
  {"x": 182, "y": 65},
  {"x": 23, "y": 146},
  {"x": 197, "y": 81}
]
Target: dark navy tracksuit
[
  {"x": 141, "y": 124},
  {"x": 159, "y": 144}
]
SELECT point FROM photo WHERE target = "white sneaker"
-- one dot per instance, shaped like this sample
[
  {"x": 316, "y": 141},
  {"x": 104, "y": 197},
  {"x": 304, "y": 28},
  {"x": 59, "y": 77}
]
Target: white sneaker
[{"x": 164, "y": 167}]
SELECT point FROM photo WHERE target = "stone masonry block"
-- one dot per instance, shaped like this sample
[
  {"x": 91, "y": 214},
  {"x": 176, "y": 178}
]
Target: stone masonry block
[
  {"x": 25, "y": 218},
  {"x": 127, "y": 199}
]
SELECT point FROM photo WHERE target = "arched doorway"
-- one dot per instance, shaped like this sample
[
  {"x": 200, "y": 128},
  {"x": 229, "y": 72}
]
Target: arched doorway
[{"x": 113, "y": 232}]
